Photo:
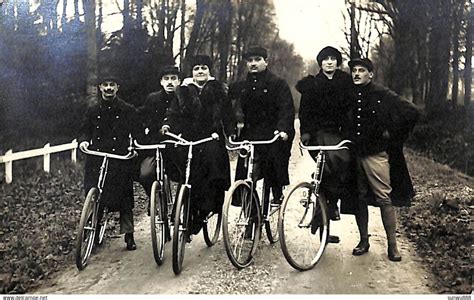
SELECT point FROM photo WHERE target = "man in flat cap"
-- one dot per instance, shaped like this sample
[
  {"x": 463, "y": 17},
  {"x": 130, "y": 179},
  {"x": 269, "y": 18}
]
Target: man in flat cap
[
  {"x": 380, "y": 123},
  {"x": 108, "y": 126},
  {"x": 323, "y": 114},
  {"x": 264, "y": 104}
]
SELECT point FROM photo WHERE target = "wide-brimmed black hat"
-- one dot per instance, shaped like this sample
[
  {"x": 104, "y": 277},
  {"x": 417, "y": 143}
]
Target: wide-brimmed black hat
[
  {"x": 329, "y": 51},
  {"x": 202, "y": 60},
  {"x": 256, "y": 51},
  {"x": 169, "y": 70},
  {"x": 365, "y": 62}
]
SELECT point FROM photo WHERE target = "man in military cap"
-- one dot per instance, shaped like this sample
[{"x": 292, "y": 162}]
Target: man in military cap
[
  {"x": 108, "y": 125},
  {"x": 381, "y": 121},
  {"x": 264, "y": 104}
]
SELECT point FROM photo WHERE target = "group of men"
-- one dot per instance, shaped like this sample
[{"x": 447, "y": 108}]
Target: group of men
[{"x": 334, "y": 106}]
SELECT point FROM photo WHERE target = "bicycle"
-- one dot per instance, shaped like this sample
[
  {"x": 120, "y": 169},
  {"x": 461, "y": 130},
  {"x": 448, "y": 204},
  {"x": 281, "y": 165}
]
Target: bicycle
[
  {"x": 182, "y": 207},
  {"x": 161, "y": 202},
  {"x": 305, "y": 209},
  {"x": 243, "y": 211},
  {"x": 86, "y": 232}
]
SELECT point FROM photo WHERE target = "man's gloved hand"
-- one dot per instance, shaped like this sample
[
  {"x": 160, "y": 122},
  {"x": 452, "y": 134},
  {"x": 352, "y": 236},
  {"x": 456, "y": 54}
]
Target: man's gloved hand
[
  {"x": 164, "y": 129},
  {"x": 386, "y": 134},
  {"x": 147, "y": 166},
  {"x": 305, "y": 137},
  {"x": 284, "y": 136}
]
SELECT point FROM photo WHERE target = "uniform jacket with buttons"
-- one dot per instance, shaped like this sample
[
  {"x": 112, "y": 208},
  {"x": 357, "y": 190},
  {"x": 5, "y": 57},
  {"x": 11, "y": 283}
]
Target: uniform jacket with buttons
[
  {"x": 263, "y": 102},
  {"x": 374, "y": 110},
  {"x": 108, "y": 126}
]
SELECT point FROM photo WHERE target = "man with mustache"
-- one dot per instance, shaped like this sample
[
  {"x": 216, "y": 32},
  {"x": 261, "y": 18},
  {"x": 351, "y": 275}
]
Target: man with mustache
[
  {"x": 380, "y": 123},
  {"x": 108, "y": 125},
  {"x": 263, "y": 103}
]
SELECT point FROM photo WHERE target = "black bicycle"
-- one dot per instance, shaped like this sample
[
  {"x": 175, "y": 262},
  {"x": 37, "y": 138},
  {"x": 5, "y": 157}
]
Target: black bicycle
[
  {"x": 303, "y": 223},
  {"x": 244, "y": 211},
  {"x": 181, "y": 215},
  {"x": 86, "y": 231}
]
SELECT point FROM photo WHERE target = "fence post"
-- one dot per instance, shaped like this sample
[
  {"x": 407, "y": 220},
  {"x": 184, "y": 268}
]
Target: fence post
[
  {"x": 74, "y": 152},
  {"x": 46, "y": 158},
  {"x": 8, "y": 167}
]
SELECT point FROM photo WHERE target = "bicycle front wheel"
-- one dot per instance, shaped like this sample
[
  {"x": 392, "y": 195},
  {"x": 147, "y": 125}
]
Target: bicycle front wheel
[
  {"x": 211, "y": 228},
  {"x": 157, "y": 222},
  {"x": 86, "y": 229},
  {"x": 180, "y": 232},
  {"x": 241, "y": 224},
  {"x": 303, "y": 227}
]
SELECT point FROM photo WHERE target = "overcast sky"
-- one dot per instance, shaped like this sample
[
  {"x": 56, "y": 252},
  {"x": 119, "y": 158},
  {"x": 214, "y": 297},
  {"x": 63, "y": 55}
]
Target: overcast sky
[{"x": 311, "y": 24}]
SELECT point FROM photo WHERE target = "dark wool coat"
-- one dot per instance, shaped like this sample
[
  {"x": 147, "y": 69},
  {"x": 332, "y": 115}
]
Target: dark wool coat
[
  {"x": 323, "y": 112},
  {"x": 263, "y": 102},
  {"x": 374, "y": 110},
  {"x": 197, "y": 114},
  {"x": 108, "y": 125}
]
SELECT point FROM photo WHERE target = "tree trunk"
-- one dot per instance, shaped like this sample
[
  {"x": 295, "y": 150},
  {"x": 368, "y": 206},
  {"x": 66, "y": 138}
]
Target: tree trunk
[
  {"x": 89, "y": 10},
  {"x": 182, "y": 33},
  {"x": 191, "y": 48},
  {"x": 457, "y": 20},
  {"x": 468, "y": 65},
  {"x": 225, "y": 32}
]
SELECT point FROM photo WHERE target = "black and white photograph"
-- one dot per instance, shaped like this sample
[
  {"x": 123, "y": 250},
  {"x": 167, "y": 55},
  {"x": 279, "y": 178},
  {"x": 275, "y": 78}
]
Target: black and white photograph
[{"x": 236, "y": 148}]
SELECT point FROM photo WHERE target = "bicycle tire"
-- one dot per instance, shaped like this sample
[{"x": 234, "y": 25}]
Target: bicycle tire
[
  {"x": 180, "y": 231},
  {"x": 86, "y": 229},
  {"x": 239, "y": 241},
  {"x": 211, "y": 228},
  {"x": 271, "y": 224},
  {"x": 303, "y": 227},
  {"x": 157, "y": 222}
]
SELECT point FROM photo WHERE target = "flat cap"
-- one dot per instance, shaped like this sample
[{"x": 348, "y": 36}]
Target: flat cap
[
  {"x": 256, "y": 51},
  {"x": 365, "y": 62}
]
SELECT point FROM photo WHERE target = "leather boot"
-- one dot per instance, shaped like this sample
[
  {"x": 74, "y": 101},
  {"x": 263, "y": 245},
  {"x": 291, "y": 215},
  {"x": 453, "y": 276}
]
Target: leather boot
[
  {"x": 393, "y": 253},
  {"x": 130, "y": 241},
  {"x": 361, "y": 248}
]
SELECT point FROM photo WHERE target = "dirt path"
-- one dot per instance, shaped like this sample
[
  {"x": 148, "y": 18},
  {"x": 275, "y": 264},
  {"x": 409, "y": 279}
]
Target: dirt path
[{"x": 208, "y": 270}]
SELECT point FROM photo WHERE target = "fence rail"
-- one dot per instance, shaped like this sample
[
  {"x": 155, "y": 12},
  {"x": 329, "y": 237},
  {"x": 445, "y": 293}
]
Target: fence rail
[{"x": 46, "y": 151}]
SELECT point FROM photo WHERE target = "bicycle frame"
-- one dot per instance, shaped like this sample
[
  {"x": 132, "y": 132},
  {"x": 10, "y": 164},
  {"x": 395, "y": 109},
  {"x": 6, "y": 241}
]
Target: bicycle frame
[{"x": 249, "y": 147}]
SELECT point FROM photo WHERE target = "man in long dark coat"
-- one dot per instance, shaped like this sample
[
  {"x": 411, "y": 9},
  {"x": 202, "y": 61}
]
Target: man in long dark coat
[
  {"x": 323, "y": 114},
  {"x": 108, "y": 126},
  {"x": 263, "y": 104},
  {"x": 202, "y": 108},
  {"x": 381, "y": 122}
]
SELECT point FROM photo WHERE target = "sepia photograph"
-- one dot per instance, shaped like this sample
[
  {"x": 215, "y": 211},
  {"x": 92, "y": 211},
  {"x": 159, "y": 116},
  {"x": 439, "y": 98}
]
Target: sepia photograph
[{"x": 236, "y": 148}]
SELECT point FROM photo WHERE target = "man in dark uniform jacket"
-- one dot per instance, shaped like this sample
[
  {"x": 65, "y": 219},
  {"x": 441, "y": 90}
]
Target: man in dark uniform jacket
[
  {"x": 323, "y": 114},
  {"x": 153, "y": 114},
  {"x": 263, "y": 104},
  {"x": 108, "y": 126},
  {"x": 381, "y": 122}
]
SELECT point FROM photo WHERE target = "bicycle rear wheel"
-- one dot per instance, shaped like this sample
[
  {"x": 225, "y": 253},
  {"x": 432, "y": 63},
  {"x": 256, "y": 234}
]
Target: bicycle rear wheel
[
  {"x": 241, "y": 224},
  {"x": 211, "y": 228},
  {"x": 180, "y": 232},
  {"x": 86, "y": 229},
  {"x": 271, "y": 222},
  {"x": 303, "y": 227},
  {"x": 157, "y": 222}
]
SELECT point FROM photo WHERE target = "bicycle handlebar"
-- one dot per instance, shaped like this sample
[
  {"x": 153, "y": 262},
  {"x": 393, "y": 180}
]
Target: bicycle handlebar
[
  {"x": 342, "y": 145},
  {"x": 161, "y": 145},
  {"x": 244, "y": 143},
  {"x": 84, "y": 146},
  {"x": 183, "y": 142}
]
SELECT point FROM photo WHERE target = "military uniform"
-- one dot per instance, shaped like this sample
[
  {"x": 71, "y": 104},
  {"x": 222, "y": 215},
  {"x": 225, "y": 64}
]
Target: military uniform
[{"x": 108, "y": 126}]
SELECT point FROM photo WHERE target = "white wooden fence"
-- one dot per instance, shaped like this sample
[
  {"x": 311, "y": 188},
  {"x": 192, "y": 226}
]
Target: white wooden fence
[{"x": 11, "y": 156}]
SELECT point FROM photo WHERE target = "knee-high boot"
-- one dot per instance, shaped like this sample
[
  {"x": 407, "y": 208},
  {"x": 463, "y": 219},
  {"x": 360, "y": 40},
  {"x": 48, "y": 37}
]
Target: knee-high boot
[
  {"x": 362, "y": 219},
  {"x": 389, "y": 220}
]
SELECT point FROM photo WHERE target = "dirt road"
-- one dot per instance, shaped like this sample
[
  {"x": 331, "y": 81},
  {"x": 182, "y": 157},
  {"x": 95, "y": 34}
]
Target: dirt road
[{"x": 113, "y": 270}]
